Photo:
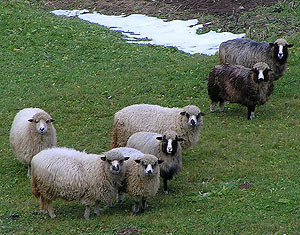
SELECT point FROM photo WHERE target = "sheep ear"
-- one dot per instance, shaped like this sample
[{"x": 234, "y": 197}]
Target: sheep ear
[
  {"x": 179, "y": 139},
  {"x": 183, "y": 113},
  {"x": 126, "y": 158},
  {"x": 103, "y": 158},
  {"x": 137, "y": 161},
  {"x": 159, "y": 137},
  {"x": 30, "y": 120},
  {"x": 52, "y": 120},
  {"x": 290, "y": 45},
  {"x": 202, "y": 114},
  {"x": 160, "y": 161}
]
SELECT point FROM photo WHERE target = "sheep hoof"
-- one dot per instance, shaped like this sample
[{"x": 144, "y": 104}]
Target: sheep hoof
[
  {"x": 43, "y": 211},
  {"x": 166, "y": 192},
  {"x": 52, "y": 216}
]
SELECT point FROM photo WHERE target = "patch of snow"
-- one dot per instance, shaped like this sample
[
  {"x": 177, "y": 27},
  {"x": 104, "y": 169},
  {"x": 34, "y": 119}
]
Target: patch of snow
[{"x": 142, "y": 29}]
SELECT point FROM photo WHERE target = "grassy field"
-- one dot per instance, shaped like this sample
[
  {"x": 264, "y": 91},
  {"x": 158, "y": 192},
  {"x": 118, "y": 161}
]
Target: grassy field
[{"x": 82, "y": 74}]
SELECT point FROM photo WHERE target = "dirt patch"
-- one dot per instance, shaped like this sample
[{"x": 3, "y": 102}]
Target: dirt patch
[{"x": 164, "y": 8}]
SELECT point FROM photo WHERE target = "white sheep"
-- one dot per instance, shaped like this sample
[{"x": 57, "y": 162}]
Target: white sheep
[
  {"x": 247, "y": 52},
  {"x": 186, "y": 122},
  {"x": 165, "y": 147},
  {"x": 141, "y": 180},
  {"x": 72, "y": 175},
  {"x": 32, "y": 131}
]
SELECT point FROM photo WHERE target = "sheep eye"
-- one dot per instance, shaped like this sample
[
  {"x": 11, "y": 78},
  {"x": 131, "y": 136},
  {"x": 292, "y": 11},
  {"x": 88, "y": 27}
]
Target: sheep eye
[
  {"x": 109, "y": 161},
  {"x": 187, "y": 115},
  {"x": 36, "y": 121},
  {"x": 47, "y": 121},
  {"x": 121, "y": 161}
]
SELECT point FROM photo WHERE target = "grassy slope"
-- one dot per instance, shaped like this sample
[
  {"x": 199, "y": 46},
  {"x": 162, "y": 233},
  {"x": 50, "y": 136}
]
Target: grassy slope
[{"x": 82, "y": 74}]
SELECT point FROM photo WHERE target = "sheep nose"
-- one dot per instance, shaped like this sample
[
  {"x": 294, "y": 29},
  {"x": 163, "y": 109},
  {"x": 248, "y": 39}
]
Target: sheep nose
[
  {"x": 42, "y": 128},
  {"x": 193, "y": 123},
  {"x": 116, "y": 168},
  {"x": 280, "y": 55},
  {"x": 149, "y": 172}
]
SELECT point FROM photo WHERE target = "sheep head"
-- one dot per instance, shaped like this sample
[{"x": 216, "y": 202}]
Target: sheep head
[
  {"x": 193, "y": 116},
  {"x": 148, "y": 165},
  {"x": 280, "y": 48},
  {"x": 42, "y": 122},
  {"x": 115, "y": 161},
  {"x": 261, "y": 72},
  {"x": 169, "y": 142}
]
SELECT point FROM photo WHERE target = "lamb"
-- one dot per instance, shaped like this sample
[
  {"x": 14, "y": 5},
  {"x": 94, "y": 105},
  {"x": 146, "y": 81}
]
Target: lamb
[
  {"x": 32, "y": 131},
  {"x": 237, "y": 84},
  {"x": 72, "y": 175},
  {"x": 247, "y": 52},
  {"x": 186, "y": 122},
  {"x": 165, "y": 147},
  {"x": 141, "y": 180}
]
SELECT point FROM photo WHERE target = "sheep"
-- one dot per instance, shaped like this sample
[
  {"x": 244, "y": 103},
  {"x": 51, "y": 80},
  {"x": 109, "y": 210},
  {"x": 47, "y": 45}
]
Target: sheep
[
  {"x": 141, "y": 180},
  {"x": 237, "y": 84},
  {"x": 72, "y": 175},
  {"x": 32, "y": 131},
  {"x": 165, "y": 147},
  {"x": 186, "y": 122},
  {"x": 247, "y": 52}
]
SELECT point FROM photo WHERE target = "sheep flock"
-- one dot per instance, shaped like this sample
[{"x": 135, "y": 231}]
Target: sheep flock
[{"x": 148, "y": 141}]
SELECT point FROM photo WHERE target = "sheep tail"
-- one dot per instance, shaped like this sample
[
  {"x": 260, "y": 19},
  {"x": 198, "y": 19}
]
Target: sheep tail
[{"x": 114, "y": 143}]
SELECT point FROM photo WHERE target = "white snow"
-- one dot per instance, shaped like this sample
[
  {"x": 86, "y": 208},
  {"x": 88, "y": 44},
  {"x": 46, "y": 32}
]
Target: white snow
[{"x": 142, "y": 29}]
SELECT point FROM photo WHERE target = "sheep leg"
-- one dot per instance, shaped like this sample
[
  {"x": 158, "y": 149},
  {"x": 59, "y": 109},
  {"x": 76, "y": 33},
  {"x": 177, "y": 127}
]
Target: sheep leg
[
  {"x": 50, "y": 209},
  {"x": 221, "y": 106},
  {"x": 43, "y": 205},
  {"x": 144, "y": 205},
  {"x": 96, "y": 209},
  {"x": 213, "y": 107},
  {"x": 166, "y": 186},
  {"x": 29, "y": 171},
  {"x": 251, "y": 110},
  {"x": 136, "y": 206},
  {"x": 120, "y": 197},
  {"x": 87, "y": 211}
]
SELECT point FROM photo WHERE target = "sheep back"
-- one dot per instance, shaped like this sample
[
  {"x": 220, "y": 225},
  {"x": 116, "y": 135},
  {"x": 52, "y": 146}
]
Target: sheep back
[{"x": 24, "y": 139}]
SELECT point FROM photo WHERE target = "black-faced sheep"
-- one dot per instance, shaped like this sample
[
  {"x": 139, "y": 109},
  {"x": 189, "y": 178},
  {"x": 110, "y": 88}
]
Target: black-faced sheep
[
  {"x": 247, "y": 52},
  {"x": 237, "y": 84},
  {"x": 72, "y": 175},
  {"x": 141, "y": 180},
  {"x": 165, "y": 147},
  {"x": 32, "y": 131},
  {"x": 186, "y": 122}
]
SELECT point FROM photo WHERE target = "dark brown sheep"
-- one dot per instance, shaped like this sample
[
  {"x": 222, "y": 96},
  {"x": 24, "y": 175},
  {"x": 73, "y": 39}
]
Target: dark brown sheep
[{"x": 238, "y": 84}]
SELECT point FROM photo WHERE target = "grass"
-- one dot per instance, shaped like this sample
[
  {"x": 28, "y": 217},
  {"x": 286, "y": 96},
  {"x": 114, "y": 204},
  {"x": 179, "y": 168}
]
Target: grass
[{"x": 82, "y": 74}]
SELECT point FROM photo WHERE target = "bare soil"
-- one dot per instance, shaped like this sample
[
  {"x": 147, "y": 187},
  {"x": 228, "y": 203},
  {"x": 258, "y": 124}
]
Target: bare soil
[{"x": 163, "y": 8}]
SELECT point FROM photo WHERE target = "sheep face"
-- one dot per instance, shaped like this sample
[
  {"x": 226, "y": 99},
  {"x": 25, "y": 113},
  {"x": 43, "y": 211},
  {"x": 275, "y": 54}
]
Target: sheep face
[
  {"x": 169, "y": 144},
  {"x": 280, "y": 48},
  {"x": 193, "y": 116},
  {"x": 261, "y": 72},
  {"x": 115, "y": 161},
  {"x": 42, "y": 122},
  {"x": 148, "y": 165}
]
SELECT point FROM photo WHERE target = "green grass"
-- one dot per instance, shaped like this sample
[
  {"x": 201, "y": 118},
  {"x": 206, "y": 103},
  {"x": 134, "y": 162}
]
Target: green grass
[{"x": 82, "y": 74}]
